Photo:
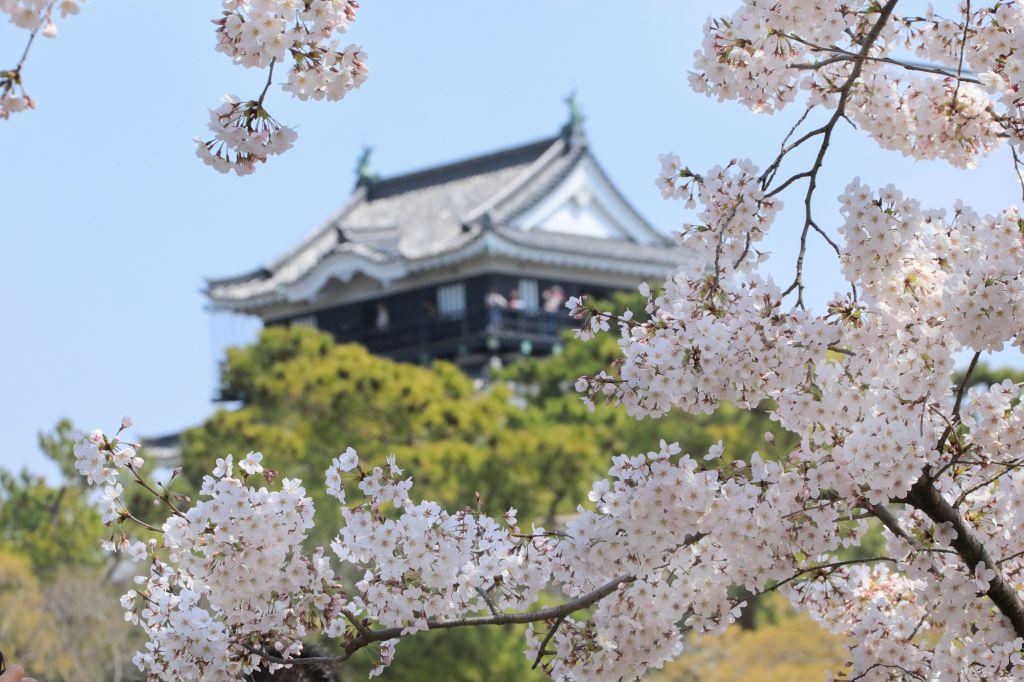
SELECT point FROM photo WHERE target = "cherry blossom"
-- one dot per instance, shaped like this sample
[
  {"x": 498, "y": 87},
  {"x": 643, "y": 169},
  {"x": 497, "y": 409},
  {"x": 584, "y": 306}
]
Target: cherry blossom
[
  {"x": 254, "y": 34},
  {"x": 671, "y": 543},
  {"x": 261, "y": 34},
  {"x": 35, "y": 16},
  {"x": 244, "y": 135}
]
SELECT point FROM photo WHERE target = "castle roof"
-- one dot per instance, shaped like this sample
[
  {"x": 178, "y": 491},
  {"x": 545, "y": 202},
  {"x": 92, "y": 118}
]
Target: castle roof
[{"x": 547, "y": 201}]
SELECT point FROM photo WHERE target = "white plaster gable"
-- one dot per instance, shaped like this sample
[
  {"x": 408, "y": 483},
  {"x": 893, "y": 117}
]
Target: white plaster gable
[
  {"x": 585, "y": 203},
  {"x": 342, "y": 267}
]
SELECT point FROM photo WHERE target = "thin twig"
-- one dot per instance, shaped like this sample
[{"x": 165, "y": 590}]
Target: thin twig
[
  {"x": 487, "y": 600},
  {"x": 32, "y": 38},
  {"x": 955, "y": 417},
  {"x": 1016, "y": 168},
  {"x": 547, "y": 638},
  {"x": 963, "y": 46},
  {"x": 826, "y": 132},
  {"x": 270, "y": 79}
]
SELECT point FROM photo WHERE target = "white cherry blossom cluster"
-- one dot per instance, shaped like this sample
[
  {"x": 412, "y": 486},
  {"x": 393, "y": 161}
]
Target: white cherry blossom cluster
[
  {"x": 228, "y": 576},
  {"x": 591, "y": 321},
  {"x": 927, "y": 118},
  {"x": 36, "y": 16},
  {"x": 885, "y": 430},
  {"x": 230, "y": 587},
  {"x": 675, "y": 181},
  {"x": 749, "y": 55},
  {"x": 259, "y": 32},
  {"x": 711, "y": 339},
  {"x": 102, "y": 461},
  {"x": 918, "y": 615},
  {"x": 736, "y": 214},
  {"x": 418, "y": 561},
  {"x": 993, "y": 53},
  {"x": 967, "y": 271},
  {"x": 233, "y": 574},
  {"x": 958, "y": 107},
  {"x": 687, "y": 531},
  {"x": 264, "y": 33},
  {"x": 256, "y": 32},
  {"x": 244, "y": 134}
]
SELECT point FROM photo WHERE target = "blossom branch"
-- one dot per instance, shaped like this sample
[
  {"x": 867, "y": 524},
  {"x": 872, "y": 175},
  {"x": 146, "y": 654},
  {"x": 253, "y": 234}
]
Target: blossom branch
[
  {"x": 840, "y": 55},
  {"x": 367, "y": 637},
  {"x": 826, "y": 132},
  {"x": 963, "y": 47},
  {"x": 11, "y": 78}
]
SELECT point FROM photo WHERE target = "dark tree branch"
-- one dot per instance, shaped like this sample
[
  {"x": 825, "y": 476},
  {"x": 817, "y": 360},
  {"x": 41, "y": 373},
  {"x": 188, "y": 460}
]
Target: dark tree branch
[
  {"x": 542, "y": 650},
  {"x": 924, "y": 497},
  {"x": 960, "y": 391},
  {"x": 890, "y": 521},
  {"x": 367, "y": 636}
]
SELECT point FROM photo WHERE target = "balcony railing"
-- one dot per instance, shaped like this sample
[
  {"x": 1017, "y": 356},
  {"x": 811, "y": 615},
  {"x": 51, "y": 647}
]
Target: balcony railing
[{"x": 474, "y": 323}]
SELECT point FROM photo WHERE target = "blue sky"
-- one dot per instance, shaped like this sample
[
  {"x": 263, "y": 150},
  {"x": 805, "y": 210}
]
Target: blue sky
[{"x": 109, "y": 223}]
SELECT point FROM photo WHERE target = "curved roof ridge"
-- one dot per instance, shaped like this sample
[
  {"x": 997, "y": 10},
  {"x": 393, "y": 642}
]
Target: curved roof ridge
[
  {"x": 556, "y": 149},
  {"x": 470, "y": 165}
]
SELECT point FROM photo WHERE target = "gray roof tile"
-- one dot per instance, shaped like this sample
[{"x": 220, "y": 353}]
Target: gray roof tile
[{"x": 418, "y": 215}]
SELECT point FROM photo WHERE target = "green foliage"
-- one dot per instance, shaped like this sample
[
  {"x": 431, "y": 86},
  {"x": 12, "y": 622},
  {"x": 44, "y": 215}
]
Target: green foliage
[
  {"x": 465, "y": 655},
  {"x": 784, "y": 647},
  {"x": 305, "y": 398},
  {"x": 50, "y": 526},
  {"x": 59, "y": 446},
  {"x": 984, "y": 375}
]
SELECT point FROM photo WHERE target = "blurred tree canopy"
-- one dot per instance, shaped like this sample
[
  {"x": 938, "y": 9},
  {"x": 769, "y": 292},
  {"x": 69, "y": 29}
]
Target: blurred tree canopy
[
  {"x": 783, "y": 647},
  {"x": 50, "y": 526},
  {"x": 984, "y": 375},
  {"x": 26, "y": 629},
  {"x": 306, "y": 398},
  {"x": 59, "y": 614},
  {"x": 524, "y": 439},
  {"x": 68, "y": 627}
]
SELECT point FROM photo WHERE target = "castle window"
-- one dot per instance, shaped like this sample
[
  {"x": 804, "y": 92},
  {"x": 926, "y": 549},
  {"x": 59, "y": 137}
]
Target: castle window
[
  {"x": 451, "y": 300},
  {"x": 528, "y": 294}
]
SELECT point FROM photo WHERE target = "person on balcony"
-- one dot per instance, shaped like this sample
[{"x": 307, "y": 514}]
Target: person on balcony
[
  {"x": 515, "y": 302},
  {"x": 383, "y": 320},
  {"x": 554, "y": 299},
  {"x": 495, "y": 304}
]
